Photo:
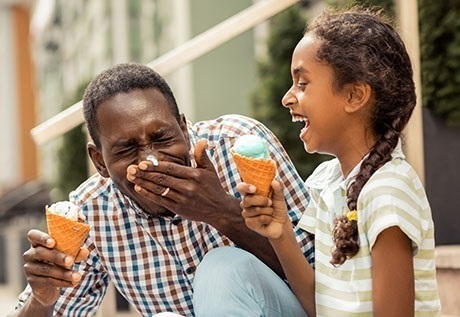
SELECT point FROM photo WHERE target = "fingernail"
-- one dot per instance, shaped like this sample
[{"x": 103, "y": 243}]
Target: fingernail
[
  {"x": 131, "y": 170},
  {"x": 68, "y": 260},
  {"x": 143, "y": 166},
  {"x": 76, "y": 277},
  {"x": 130, "y": 177},
  {"x": 49, "y": 242}
]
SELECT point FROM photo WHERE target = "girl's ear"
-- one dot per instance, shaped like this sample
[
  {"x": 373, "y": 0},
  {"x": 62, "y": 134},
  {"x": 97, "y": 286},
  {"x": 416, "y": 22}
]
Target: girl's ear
[
  {"x": 359, "y": 95},
  {"x": 97, "y": 159}
]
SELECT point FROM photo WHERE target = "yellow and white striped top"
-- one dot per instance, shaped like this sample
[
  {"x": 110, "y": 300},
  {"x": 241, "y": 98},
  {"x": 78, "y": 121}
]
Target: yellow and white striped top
[{"x": 393, "y": 196}]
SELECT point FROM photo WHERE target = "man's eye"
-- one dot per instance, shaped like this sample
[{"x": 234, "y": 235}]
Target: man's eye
[
  {"x": 125, "y": 151},
  {"x": 163, "y": 141}
]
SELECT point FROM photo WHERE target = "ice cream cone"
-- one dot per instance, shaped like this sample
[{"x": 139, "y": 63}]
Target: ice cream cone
[
  {"x": 258, "y": 172},
  {"x": 69, "y": 234}
]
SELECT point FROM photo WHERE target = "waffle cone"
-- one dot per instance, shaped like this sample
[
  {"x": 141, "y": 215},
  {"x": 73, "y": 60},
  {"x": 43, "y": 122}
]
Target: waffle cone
[
  {"x": 258, "y": 172},
  {"x": 69, "y": 234}
]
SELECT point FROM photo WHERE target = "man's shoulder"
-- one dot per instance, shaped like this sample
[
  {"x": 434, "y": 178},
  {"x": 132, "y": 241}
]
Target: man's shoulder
[
  {"x": 231, "y": 125},
  {"x": 94, "y": 187}
]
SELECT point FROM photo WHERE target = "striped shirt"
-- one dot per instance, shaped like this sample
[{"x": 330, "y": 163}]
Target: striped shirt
[
  {"x": 152, "y": 260},
  {"x": 393, "y": 196}
]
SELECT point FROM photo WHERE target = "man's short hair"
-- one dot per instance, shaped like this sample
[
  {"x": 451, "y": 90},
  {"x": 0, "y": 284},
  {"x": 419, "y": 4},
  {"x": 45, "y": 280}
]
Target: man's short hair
[{"x": 121, "y": 78}]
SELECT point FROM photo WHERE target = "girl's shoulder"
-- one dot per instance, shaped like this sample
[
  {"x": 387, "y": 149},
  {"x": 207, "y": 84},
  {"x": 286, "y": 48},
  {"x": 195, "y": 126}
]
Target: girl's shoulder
[
  {"x": 396, "y": 168},
  {"x": 395, "y": 181},
  {"x": 394, "y": 171}
]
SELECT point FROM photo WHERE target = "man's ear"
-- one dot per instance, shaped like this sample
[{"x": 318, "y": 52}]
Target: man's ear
[
  {"x": 97, "y": 159},
  {"x": 183, "y": 126},
  {"x": 358, "y": 96}
]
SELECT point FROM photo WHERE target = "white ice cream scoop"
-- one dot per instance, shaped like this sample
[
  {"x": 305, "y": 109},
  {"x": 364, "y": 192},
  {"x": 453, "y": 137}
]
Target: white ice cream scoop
[{"x": 67, "y": 209}]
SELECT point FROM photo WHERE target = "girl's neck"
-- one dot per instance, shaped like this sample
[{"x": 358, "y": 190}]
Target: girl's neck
[
  {"x": 348, "y": 164},
  {"x": 354, "y": 153}
]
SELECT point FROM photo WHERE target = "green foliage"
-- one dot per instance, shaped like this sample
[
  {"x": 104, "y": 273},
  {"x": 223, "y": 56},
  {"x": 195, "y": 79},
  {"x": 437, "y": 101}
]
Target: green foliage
[
  {"x": 135, "y": 39},
  {"x": 440, "y": 58},
  {"x": 286, "y": 29},
  {"x": 388, "y": 6},
  {"x": 72, "y": 164}
]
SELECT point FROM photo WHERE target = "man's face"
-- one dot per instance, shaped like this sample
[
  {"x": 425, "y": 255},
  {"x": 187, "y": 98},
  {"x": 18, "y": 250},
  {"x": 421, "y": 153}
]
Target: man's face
[{"x": 133, "y": 125}]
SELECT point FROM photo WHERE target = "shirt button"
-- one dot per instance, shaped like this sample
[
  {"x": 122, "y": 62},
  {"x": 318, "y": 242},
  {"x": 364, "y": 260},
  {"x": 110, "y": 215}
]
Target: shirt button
[
  {"x": 176, "y": 220},
  {"x": 190, "y": 270}
]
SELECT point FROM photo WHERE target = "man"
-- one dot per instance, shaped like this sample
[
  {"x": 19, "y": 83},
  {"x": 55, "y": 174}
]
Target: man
[{"x": 151, "y": 221}]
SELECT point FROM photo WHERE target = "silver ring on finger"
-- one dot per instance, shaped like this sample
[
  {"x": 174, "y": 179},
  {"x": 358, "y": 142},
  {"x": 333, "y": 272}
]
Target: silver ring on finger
[{"x": 165, "y": 192}]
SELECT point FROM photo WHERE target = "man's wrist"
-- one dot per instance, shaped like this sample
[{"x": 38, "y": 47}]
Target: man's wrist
[
  {"x": 231, "y": 214},
  {"x": 33, "y": 307}
]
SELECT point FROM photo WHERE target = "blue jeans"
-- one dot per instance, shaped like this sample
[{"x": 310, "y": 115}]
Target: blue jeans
[{"x": 232, "y": 282}]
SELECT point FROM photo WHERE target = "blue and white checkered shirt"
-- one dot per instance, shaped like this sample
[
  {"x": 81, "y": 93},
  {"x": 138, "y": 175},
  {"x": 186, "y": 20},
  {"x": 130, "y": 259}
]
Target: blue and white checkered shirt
[{"x": 152, "y": 260}]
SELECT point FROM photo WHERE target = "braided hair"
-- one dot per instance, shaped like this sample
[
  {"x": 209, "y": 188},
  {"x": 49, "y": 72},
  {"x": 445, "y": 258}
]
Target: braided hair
[{"x": 361, "y": 46}]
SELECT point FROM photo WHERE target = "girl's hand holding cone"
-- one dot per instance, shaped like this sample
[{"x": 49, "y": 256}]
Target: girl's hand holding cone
[
  {"x": 251, "y": 156},
  {"x": 258, "y": 172}
]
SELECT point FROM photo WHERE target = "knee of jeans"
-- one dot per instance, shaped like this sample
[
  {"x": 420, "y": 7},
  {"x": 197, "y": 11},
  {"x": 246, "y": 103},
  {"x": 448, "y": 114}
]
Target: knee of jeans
[{"x": 226, "y": 263}]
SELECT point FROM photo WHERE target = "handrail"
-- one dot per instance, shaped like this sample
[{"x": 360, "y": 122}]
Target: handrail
[{"x": 186, "y": 52}]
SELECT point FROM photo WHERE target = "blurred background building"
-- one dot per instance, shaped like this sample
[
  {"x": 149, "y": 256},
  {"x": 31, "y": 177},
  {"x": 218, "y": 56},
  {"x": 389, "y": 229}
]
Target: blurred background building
[
  {"x": 51, "y": 49},
  {"x": 21, "y": 189},
  {"x": 81, "y": 38}
]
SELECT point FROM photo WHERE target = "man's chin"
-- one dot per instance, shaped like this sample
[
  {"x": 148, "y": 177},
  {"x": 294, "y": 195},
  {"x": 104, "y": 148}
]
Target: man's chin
[
  {"x": 154, "y": 209},
  {"x": 148, "y": 206}
]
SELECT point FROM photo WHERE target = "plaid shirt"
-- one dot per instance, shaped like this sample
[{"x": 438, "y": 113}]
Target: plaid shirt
[{"x": 151, "y": 260}]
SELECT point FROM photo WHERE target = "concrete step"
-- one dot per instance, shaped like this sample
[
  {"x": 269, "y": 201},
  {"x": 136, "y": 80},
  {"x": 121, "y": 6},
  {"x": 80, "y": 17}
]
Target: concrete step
[{"x": 448, "y": 275}]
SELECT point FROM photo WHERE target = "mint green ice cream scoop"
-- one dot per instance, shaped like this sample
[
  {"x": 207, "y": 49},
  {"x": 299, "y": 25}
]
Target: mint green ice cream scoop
[{"x": 251, "y": 146}]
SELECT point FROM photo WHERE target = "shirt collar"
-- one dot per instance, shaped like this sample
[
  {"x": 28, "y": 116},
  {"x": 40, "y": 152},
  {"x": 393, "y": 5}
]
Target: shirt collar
[{"x": 331, "y": 174}]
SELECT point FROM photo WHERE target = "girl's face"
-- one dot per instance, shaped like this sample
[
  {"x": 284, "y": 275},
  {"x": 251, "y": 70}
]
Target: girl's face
[{"x": 313, "y": 100}]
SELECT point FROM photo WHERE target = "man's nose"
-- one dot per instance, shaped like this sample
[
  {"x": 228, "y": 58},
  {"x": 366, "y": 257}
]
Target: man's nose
[{"x": 145, "y": 151}]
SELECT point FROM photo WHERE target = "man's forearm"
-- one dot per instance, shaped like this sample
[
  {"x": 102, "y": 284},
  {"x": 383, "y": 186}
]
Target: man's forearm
[{"x": 232, "y": 225}]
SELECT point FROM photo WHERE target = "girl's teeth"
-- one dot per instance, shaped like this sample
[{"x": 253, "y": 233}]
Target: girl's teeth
[{"x": 299, "y": 119}]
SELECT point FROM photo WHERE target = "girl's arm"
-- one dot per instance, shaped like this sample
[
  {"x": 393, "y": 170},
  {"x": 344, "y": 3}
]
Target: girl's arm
[
  {"x": 393, "y": 274},
  {"x": 298, "y": 271},
  {"x": 268, "y": 217}
]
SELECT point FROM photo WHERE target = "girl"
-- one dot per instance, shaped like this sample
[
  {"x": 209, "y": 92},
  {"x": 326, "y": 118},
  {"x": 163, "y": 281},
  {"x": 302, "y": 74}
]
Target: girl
[{"x": 374, "y": 239}]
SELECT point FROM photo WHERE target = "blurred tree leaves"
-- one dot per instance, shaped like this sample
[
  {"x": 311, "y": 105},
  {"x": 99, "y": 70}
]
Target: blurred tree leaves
[
  {"x": 388, "y": 6},
  {"x": 286, "y": 29},
  {"x": 440, "y": 58},
  {"x": 72, "y": 163}
]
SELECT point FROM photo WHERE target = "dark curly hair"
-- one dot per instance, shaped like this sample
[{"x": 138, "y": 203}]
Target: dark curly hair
[
  {"x": 361, "y": 46},
  {"x": 121, "y": 78}
]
